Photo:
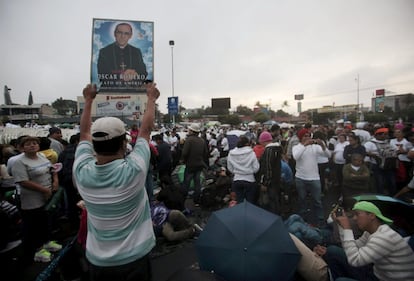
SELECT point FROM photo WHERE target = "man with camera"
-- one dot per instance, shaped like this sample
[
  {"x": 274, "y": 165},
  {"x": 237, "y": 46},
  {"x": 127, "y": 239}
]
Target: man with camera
[
  {"x": 307, "y": 178},
  {"x": 379, "y": 254}
]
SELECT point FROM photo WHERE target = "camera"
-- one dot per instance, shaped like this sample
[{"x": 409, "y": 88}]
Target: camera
[{"x": 339, "y": 212}]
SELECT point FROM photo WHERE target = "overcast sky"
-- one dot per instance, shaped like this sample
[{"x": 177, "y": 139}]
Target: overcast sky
[{"x": 264, "y": 50}]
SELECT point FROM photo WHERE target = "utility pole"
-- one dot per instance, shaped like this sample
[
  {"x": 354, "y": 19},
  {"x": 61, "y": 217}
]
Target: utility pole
[
  {"x": 172, "y": 73},
  {"x": 357, "y": 107}
]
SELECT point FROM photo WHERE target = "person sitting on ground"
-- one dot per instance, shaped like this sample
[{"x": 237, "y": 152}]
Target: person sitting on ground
[
  {"x": 171, "y": 224},
  {"x": 223, "y": 185},
  {"x": 311, "y": 266},
  {"x": 308, "y": 234},
  {"x": 171, "y": 195},
  {"x": 379, "y": 245},
  {"x": 213, "y": 156}
]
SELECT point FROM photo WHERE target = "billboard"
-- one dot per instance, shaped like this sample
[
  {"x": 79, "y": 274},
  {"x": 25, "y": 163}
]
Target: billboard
[
  {"x": 379, "y": 104},
  {"x": 122, "y": 55},
  {"x": 380, "y": 92},
  {"x": 220, "y": 103},
  {"x": 118, "y": 105},
  {"x": 299, "y": 97}
]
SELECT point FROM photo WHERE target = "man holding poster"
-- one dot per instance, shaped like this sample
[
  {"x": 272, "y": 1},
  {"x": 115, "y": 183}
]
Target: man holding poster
[{"x": 124, "y": 64}]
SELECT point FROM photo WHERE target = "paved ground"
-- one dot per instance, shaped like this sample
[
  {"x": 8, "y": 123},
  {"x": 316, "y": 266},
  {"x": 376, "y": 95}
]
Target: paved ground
[{"x": 167, "y": 257}]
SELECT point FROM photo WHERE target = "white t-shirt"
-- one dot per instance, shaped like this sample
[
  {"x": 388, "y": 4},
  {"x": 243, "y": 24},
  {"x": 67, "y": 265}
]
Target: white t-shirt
[{"x": 406, "y": 145}]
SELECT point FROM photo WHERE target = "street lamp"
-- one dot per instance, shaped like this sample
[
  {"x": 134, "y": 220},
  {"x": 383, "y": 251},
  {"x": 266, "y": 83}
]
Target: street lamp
[{"x": 172, "y": 72}]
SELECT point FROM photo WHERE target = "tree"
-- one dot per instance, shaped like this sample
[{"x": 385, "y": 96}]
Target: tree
[
  {"x": 30, "y": 100},
  {"x": 285, "y": 104},
  {"x": 261, "y": 117},
  {"x": 244, "y": 110},
  {"x": 63, "y": 107},
  {"x": 232, "y": 119},
  {"x": 282, "y": 113}
]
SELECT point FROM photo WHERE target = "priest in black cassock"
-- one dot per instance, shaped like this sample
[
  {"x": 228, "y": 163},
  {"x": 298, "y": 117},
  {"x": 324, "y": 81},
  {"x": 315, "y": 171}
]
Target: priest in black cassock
[{"x": 120, "y": 65}]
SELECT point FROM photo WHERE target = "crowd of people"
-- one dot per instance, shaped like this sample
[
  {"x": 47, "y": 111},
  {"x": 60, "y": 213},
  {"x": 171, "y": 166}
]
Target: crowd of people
[{"x": 132, "y": 191}]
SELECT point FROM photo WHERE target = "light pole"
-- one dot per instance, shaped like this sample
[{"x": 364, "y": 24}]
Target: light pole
[
  {"x": 357, "y": 107},
  {"x": 172, "y": 73}
]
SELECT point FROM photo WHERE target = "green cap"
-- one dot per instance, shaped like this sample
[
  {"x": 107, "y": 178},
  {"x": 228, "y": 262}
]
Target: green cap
[{"x": 371, "y": 208}]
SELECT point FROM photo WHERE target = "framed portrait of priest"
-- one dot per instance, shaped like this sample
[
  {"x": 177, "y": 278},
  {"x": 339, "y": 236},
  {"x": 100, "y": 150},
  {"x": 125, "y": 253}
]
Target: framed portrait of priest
[{"x": 122, "y": 55}]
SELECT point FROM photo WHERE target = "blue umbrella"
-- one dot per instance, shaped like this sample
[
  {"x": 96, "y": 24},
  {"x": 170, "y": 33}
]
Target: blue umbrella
[{"x": 246, "y": 242}]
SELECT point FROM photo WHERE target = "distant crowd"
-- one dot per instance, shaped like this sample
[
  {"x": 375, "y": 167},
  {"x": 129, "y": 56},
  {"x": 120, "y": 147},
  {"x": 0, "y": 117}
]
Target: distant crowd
[{"x": 287, "y": 171}]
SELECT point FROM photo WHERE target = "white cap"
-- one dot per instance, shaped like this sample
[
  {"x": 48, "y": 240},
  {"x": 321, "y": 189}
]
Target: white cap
[
  {"x": 195, "y": 127},
  {"x": 107, "y": 128}
]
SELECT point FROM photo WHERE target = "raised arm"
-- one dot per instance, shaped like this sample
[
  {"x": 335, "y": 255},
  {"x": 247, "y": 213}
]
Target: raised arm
[
  {"x": 89, "y": 93},
  {"x": 149, "y": 114}
]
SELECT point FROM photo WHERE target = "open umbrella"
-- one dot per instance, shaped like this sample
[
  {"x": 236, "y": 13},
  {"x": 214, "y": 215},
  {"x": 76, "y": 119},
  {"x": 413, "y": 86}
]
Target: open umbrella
[
  {"x": 236, "y": 133},
  {"x": 270, "y": 123},
  {"x": 246, "y": 242},
  {"x": 386, "y": 203},
  {"x": 401, "y": 212},
  {"x": 191, "y": 274}
]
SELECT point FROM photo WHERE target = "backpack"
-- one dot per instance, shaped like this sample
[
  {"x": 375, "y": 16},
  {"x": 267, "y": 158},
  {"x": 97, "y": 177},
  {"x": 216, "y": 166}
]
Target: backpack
[
  {"x": 388, "y": 158},
  {"x": 269, "y": 173},
  {"x": 66, "y": 157}
]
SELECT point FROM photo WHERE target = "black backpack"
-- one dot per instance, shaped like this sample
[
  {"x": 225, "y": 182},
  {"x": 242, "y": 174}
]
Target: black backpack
[
  {"x": 208, "y": 196},
  {"x": 172, "y": 197},
  {"x": 269, "y": 173}
]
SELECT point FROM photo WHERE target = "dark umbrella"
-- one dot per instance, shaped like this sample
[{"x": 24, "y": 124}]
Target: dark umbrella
[
  {"x": 385, "y": 203},
  {"x": 246, "y": 242},
  {"x": 401, "y": 212},
  {"x": 193, "y": 274}
]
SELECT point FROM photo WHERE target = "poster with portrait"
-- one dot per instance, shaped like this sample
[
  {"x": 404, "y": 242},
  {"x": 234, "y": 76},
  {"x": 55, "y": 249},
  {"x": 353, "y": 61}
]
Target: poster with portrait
[{"x": 122, "y": 55}]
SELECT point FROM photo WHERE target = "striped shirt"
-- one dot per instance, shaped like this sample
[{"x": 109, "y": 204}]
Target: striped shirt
[
  {"x": 119, "y": 221},
  {"x": 390, "y": 253}
]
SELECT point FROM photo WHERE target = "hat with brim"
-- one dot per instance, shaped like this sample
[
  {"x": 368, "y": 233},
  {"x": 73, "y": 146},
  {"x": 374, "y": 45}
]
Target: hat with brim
[
  {"x": 195, "y": 127},
  {"x": 107, "y": 128},
  {"x": 371, "y": 208}
]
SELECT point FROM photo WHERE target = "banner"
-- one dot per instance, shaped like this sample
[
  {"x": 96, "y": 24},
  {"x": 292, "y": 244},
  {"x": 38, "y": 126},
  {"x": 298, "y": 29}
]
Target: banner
[
  {"x": 116, "y": 105},
  {"x": 172, "y": 105},
  {"x": 122, "y": 55}
]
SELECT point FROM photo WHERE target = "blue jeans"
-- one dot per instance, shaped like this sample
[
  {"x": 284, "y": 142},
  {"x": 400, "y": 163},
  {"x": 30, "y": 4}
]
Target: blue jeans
[
  {"x": 297, "y": 226},
  {"x": 245, "y": 190},
  {"x": 196, "y": 176},
  {"x": 337, "y": 262},
  {"x": 313, "y": 187}
]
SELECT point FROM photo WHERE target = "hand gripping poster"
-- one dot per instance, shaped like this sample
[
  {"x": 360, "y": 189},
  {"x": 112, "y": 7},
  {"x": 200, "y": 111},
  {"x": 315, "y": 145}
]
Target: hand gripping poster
[{"x": 122, "y": 55}]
